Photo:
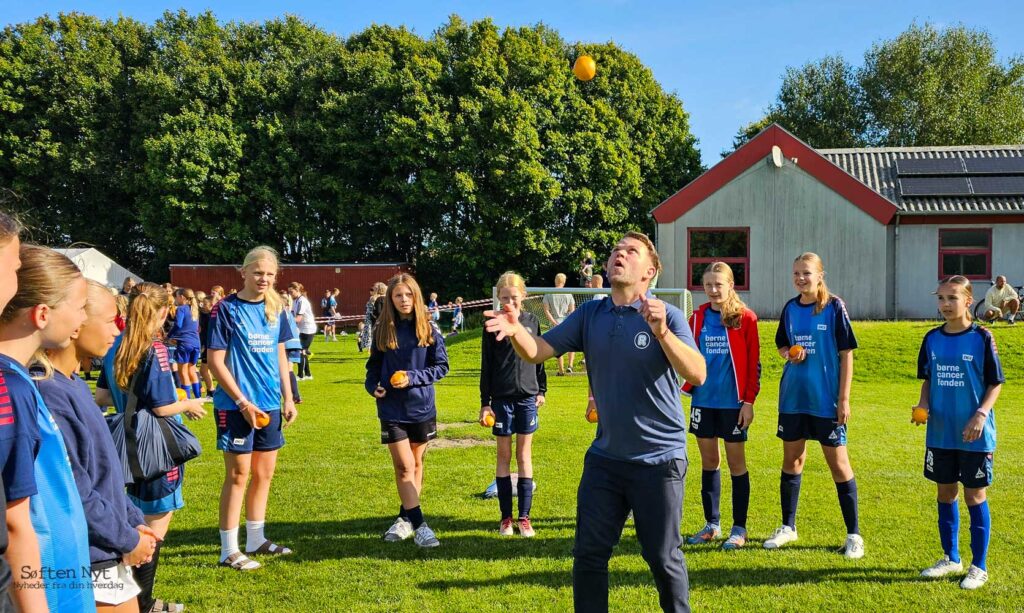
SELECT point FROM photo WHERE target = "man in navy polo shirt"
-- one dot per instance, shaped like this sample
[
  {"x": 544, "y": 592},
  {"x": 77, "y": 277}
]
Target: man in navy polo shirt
[{"x": 634, "y": 346}]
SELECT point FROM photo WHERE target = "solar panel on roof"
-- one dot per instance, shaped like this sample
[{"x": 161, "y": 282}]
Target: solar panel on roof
[
  {"x": 999, "y": 165},
  {"x": 934, "y": 186},
  {"x": 930, "y": 166},
  {"x": 998, "y": 186}
]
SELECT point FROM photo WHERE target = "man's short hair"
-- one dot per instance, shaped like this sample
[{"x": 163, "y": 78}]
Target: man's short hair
[{"x": 651, "y": 249}]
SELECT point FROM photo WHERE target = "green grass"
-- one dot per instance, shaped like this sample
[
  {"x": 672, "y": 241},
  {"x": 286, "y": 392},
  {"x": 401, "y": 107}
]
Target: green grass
[{"x": 334, "y": 495}]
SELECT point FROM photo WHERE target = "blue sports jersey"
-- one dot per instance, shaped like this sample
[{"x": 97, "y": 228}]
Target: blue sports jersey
[
  {"x": 812, "y": 387},
  {"x": 185, "y": 331},
  {"x": 56, "y": 511},
  {"x": 959, "y": 369},
  {"x": 19, "y": 433},
  {"x": 719, "y": 390},
  {"x": 156, "y": 383},
  {"x": 241, "y": 328}
]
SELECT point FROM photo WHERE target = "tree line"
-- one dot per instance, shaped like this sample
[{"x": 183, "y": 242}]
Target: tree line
[{"x": 468, "y": 152}]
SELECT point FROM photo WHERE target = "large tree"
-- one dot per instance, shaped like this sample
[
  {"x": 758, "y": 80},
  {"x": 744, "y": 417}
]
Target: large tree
[{"x": 925, "y": 87}]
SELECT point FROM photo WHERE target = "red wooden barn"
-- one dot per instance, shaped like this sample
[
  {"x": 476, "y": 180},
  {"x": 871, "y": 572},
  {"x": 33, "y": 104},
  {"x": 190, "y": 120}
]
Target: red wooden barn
[{"x": 354, "y": 280}]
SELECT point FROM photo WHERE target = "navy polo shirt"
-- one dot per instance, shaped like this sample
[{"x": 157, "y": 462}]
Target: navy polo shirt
[{"x": 640, "y": 415}]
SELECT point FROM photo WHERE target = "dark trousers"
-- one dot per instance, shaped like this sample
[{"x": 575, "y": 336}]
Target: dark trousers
[
  {"x": 307, "y": 341},
  {"x": 608, "y": 490}
]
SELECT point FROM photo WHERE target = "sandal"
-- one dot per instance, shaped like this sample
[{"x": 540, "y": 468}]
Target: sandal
[
  {"x": 239, "y": 561},
  {"x": 270, "y": 548},
  {"x": 159, "y": 606}
]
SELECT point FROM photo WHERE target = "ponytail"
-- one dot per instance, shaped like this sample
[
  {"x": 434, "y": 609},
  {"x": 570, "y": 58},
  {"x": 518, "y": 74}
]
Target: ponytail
[
  {"x": 143, "y": 322},
  {"x": 733, "y": 307},
  {"x": 190, "y": 300}
]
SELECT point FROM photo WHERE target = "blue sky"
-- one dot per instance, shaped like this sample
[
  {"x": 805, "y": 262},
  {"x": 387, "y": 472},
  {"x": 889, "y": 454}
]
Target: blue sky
[{"x": 724, "y": 59}]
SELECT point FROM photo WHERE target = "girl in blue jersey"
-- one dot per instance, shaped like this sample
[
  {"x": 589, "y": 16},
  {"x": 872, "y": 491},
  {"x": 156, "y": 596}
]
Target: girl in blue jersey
[
  {"x": 511, "y": 392},
  {"x": 247, "y": 355},
  {"x": 142, "y": 363},
  {"x": 816, "y": 340},
  {"x": 45, "y": 519},
  {"x": 723, "y": 407},
  {"x": 184, "y": 334},
  {"x": 118, "y": 535},
  {"x": 961, "y": 380},
  {"x": 404, "y": 342}
]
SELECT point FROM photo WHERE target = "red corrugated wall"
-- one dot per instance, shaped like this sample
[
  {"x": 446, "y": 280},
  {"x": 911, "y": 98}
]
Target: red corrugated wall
[{"x": 354, "y": 280}]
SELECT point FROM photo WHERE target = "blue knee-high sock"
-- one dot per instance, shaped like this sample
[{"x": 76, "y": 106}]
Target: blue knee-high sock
[
  {"x": 185, "y": 388},
  {"x": 524, "y": 488},
  {"x": 847, "y": 492},
  {"x": 711, "y": 495},
  {"x": 505, "y": 496},
  {"x": 949, "y": 529},
  {"x": 740, "y": 499},
  {"x": 981, "y": 529},
  {"x": 789, "y": 490},
  {"x": 197, "y": 391}
]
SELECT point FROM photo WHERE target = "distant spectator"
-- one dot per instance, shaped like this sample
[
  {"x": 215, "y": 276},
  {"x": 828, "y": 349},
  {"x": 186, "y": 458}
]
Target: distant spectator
[
  {"x": 1001, "y": 301},
  {"x": 597, "y": 282},
  {"x": 126, "y": 287},
  {"x": 586, "y": 271},
  {"x": 457, "y": 317},
  {"x": 373, "y": 308},
  {"x": 556, "y": 308}
]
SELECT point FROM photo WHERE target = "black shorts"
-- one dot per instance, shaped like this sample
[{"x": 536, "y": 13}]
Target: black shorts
[
  {"x": 972, "y": 468},
  {"x": 801, "y": 426},
  {"x": 717, "y": 423},
  {"x": 417, "y": 432}
]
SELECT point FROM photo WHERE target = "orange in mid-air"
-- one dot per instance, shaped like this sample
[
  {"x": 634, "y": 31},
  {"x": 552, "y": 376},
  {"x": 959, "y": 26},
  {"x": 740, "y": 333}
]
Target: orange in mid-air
[
  {"x": 919, "y": 415},
  {"x": 795, "y": 350},
  {"x": 399, "y": 378},
  {"x": 585, "y": 68},
  {"x": 262, "y": 419}
]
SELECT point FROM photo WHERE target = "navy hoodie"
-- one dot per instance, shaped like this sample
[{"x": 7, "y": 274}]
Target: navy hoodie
[
  {"x": 424, "y": 366},
  {"x": 111, "y": 516}
]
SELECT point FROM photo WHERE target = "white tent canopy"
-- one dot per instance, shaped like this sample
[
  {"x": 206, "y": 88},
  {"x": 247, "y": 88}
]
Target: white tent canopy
[{"x": 98, "y": 267}]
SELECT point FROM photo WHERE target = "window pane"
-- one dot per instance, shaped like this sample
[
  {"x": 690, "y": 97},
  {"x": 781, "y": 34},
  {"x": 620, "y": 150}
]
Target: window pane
[
  {"x": 739, "y": 271},
  {"x": 718, "y": 244},
  {"x": 963, "y": 264},
  {"x": 697, "y": 274},
  {"x": 977, "y": 239}
]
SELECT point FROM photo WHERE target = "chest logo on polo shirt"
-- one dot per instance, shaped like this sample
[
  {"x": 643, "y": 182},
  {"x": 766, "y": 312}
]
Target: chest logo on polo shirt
[
  {"x": 967, "y": 357},
  {"x": 641, "y": 340},
  {"x": 823, "y": 327}
]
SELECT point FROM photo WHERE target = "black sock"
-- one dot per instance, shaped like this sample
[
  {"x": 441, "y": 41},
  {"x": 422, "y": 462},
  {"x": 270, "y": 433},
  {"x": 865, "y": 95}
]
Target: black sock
[
  {"x": 415, "y": 516},
  {"x": 789, "y": 491},
  {"x": 505, "y": 495},
  {"x": 711, "y": 494},
  {"x": 525, "y": 490},
  {"x": 145, "y": 576},
  {"x": 740, "y": 499},
  {"x": 403, "y": 513},
  {"x": 848, "y": 503}
]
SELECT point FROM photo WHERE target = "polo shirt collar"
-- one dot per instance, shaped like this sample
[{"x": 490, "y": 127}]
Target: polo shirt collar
[{"x": 635, "y": 305}]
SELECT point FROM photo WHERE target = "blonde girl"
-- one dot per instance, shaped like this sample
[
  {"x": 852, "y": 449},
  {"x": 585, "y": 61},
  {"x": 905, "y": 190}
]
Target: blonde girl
[
  {"x": 511, "y": 391},
  {"x": 253, "y": 402},
  {"x": 961, "y": 434},
  {"x": 723, "y": 406},
  {"x": 816, "y": 339},
  {"x": 407, "y": 358}
]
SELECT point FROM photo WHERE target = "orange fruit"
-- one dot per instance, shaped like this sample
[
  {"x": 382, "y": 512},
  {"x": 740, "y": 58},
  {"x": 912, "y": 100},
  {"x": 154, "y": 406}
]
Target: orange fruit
[
  {"x": 919, "y": 415},
  {"x": 592, "y": 416},
  {"x": 585, "y": 68},
  {"x": 399, "y": 378},
  {"x": 262, "y": 419},
  {"x": 182, "y": 395},
  {"x": 488, "y": 421},
  {"x": 795, "y": 350}
]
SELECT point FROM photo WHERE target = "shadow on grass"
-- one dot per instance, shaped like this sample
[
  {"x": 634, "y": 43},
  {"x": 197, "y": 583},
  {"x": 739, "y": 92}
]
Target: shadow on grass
[
  {"x": 699, "y": 578},
  {"x": 361, "y": 538}
]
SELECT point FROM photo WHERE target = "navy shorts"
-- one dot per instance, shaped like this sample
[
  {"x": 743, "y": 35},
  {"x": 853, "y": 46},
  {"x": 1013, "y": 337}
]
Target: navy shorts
[
  {"x": 160, "y": 495},
  {"x": 186, "y": 355},
  {"x": 717, "y": 423},
  {"x": 972, "y": 468},
  {"x": 235, "y": 435},
  {"x": 801, "y": 426},
  {"x": 515, "y": 416},
  {"x": 417, "y": 432}
]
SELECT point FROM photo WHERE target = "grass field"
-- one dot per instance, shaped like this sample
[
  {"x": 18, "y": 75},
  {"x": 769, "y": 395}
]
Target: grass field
[{"x": 334, "y": 495}]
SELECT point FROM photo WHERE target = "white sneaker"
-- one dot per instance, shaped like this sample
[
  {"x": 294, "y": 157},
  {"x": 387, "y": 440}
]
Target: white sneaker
[
  {"x": 399, "y": 531},
  {"x": 975, "y": 578},
  {"x": 425, "y": 537},
  {"x": 853, "y": 548},
  {"x": 943, "y": 567},
  {"x": 781, "y": 536}
]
